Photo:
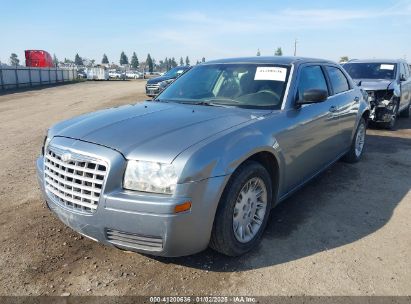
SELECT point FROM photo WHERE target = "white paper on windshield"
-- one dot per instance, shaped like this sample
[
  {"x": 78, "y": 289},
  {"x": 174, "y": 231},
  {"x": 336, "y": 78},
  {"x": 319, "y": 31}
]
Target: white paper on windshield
[
  {"x": 387, "y": 67},
  {"x": 270, "y": 73}
]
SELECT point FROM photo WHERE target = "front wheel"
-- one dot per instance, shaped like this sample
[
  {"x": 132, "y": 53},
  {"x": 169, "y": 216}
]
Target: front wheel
[
  {"x": 243, "y": 210},
  {"x": 406, "y": 112},
  {"x": 391, "y": 124},
  {"x": 358, "y": 143}
]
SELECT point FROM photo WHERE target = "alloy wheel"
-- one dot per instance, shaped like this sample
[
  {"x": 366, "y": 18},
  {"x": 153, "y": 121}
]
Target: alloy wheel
[{"x": 249, "y": 210}]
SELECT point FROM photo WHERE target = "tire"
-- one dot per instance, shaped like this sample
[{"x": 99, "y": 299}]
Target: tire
[
  {"x": 354, "y": 155},
  {"x": 226, "y": 233},
  {"x": 406, "y": 113},
  {"x": 391, "y": 124}
]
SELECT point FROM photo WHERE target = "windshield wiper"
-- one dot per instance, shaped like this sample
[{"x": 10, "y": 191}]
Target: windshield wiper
[
  {"x": 229, "y": 100},
  {"x": 203, "y": 103},
  {"x": 161, "y": 100}
]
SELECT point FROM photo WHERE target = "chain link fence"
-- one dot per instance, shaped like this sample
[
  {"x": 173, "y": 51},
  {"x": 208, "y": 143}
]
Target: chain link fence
[{"x": 21, "y": 77}]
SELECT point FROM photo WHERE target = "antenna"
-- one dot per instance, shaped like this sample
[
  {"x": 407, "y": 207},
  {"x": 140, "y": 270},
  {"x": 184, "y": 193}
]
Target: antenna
[{"x": 295, "y": 46}]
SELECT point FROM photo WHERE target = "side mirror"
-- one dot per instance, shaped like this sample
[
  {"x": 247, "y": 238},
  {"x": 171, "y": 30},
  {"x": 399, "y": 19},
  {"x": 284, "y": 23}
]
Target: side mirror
[
  {"x": 402, "y": 78},
  {"x": 313, "y": 96}
]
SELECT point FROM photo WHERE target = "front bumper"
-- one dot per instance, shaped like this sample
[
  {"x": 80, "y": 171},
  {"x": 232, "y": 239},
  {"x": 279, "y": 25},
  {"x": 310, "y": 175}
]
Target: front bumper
[
  {"x": 143, "y": 222},
  {"x": 381, "y": 114}
]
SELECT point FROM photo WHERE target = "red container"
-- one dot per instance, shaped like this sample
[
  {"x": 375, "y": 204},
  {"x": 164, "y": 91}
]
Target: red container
[{"x": 38, "y": 58}]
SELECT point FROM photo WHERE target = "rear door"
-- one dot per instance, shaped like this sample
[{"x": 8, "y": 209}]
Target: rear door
[
  {"x": 312, "y": 140},
  {"x": 346, "y": 100},
  {"x": 405, "y": 81}
]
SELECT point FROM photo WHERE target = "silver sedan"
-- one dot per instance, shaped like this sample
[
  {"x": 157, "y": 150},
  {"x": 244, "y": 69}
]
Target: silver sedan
[{"x": 204, "y": 162}]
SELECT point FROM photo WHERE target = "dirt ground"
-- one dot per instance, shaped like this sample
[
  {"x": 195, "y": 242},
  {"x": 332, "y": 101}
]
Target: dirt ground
[{"x": 346, "y": 233}]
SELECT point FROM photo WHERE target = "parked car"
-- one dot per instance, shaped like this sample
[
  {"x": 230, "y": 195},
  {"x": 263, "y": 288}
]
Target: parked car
[
  {"x": 204, "y": 162},
  {"x": 81, "y": 74},
  {"x": 97, "y": 73},
  {"x": 115, "y": 74},
  {"x": 133, "y": 74},
  {"x": 156, "y": 85},
  {"x": 388, "y": 84}
]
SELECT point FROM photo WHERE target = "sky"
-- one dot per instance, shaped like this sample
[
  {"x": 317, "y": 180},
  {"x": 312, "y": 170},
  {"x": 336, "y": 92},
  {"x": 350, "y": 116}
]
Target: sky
[{"x": 211, "y": 29}]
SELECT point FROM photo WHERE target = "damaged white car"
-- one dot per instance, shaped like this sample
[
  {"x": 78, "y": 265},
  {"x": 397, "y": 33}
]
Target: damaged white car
[{"x": 388, "y": 84}]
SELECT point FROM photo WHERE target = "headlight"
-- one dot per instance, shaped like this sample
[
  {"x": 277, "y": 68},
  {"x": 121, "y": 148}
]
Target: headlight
[
  {"x": 46, "y": 142},
  {"x": 165, "y": 83},
  {"x": 150, "y": 177}
]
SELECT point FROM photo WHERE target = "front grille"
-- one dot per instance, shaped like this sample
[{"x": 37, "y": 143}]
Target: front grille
[
  {"x": 154, "y": 86},
  {"x": 75, "y": 183},
  {"x": 131, "y": 240}
]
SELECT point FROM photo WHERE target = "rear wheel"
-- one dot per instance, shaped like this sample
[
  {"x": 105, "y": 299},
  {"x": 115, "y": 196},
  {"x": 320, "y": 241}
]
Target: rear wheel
[
  {"x": 358, "y": 143},
  {"x": 243, "y": 210}
]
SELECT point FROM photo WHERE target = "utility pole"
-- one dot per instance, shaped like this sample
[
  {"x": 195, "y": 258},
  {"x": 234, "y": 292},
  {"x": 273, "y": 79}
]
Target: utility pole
[{"x": 295, "y": 47}]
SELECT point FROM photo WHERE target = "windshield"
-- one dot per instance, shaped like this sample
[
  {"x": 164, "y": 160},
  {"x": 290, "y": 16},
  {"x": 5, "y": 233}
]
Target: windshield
[
  {"x": 173, "y": 73},
  {"x": 371, "y": 70},
  {"x": 243, "y": 85}
]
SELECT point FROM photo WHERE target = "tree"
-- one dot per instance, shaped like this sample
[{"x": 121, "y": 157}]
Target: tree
[
  {"x": 278, "y": 52},
  {"x": 123, "y": 58},
  {"x": 166, "y": 64},
  {"x": 173, "y": 62},
  {"x": 149, "y": 62},
  {"x": 197, "y": 62},
  {"x": 203, "y": 59},
  {"x": 105, "y": 59},
  {"x": 258, "y": 52},
  {"x": 55, "y": 60},
  {"x": 78, "y": 60},
  {"x": 344, "y": 59},
  {"x": 134, "y": 61},
  {"x": 181, "y": 61},
  {"x": 13, "y": 59},
  {"x": 187, "y": 61}
]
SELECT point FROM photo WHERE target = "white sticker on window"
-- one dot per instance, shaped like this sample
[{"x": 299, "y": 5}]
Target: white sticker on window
[
  {"x": 270, "y": 73},
  {"x": 387, "y": 67}
]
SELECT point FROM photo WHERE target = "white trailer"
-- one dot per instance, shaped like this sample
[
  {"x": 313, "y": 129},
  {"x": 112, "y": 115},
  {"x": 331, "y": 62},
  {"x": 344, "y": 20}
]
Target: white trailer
[{"x": 97, "y": 73}]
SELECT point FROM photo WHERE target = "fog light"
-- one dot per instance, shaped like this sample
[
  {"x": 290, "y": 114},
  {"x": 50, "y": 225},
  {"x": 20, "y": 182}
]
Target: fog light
[{"x": 182, "y": 207}]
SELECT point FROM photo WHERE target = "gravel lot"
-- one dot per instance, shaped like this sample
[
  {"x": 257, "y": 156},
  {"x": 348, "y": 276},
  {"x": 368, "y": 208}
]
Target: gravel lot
[{"x": 346, "y": 233}]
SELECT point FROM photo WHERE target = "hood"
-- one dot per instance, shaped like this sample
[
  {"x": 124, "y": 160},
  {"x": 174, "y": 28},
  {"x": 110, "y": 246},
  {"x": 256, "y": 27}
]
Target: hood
[
  {"x": 158, "y": 79},
  {"x": 151, "y": 130},
  {"x": 374, "y": 84}
]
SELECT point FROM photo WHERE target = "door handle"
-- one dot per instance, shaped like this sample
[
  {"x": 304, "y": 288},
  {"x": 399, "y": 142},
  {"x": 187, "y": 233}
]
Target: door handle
[
  {"x": 333, "y": 109},
  {"x": 356, "y": 99}
]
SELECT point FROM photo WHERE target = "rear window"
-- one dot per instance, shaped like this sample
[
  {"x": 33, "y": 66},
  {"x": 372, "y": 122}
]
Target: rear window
[{"x": 338, "y": 80}]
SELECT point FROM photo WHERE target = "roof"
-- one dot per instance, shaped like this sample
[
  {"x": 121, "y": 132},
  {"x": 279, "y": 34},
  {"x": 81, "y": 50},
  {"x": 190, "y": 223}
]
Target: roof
[
  {"x": 375, "y": 60},
  {"x": 269, "y": 60}
]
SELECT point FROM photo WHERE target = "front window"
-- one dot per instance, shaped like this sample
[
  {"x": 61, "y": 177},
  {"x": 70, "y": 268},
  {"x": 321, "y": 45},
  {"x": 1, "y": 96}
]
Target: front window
[
  {"x": 379, "y": 70},
  {"x": 242, "y": 85},
  {"x": 173, "y": 73}
]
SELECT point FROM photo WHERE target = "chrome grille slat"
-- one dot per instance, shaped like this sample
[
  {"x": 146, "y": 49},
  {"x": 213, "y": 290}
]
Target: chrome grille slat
[
  {"x": 78, "y": 202},
  {"x": 65, "y": 173},
  {"x": 76, "y": 183},
  {"x": 132, "y": 240},
  {"x": 153, "y": 86},
  {"x": 70, "y": 192},
  {"x": 91, "y": 189},
  {"x": 74, "y": 167}
]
